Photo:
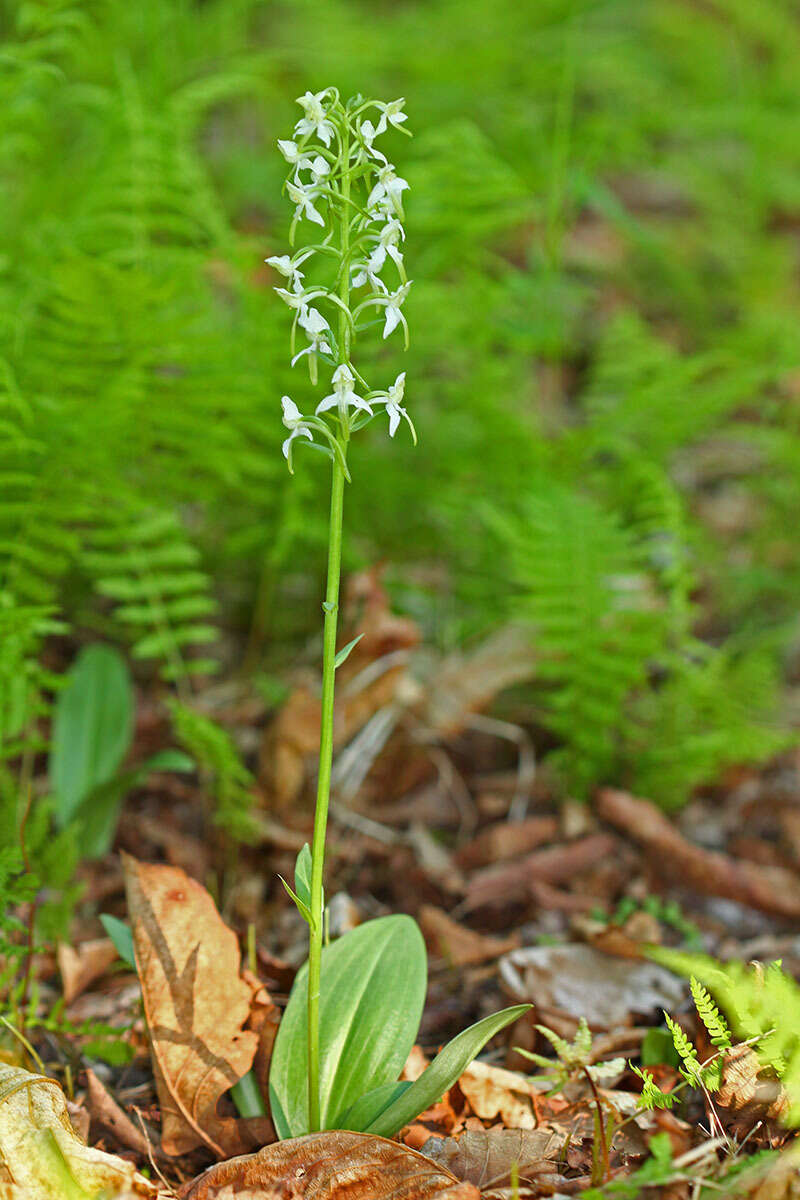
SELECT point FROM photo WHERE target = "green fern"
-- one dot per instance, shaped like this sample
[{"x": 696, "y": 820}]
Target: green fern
[
  {"x": 226, "y": 777},
  {"x": 762, "y": 1006},
  {"x": 583, "y": 585}
]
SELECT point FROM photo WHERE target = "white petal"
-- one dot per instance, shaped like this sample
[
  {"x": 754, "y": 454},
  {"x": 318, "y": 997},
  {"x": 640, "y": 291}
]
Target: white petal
[
  {"x": 291, "y": 413},
  {"x": 331, "y": 401},
  {"x": 392, "y": 319},
  {"x": 394, "y": 419}
]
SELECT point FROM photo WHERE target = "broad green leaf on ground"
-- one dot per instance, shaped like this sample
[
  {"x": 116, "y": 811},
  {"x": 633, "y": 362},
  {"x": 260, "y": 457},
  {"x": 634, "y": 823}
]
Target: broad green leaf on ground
[
  {"x": 121, "y": 936},
  {"x": 328, "y": 1166},
  {"x": 443, "y": 1071},
  {"x": 196, "y": 1005},
  {"x": 98, "y": 814},
  {"x": 92, "y": 728},
  {"x": 41, "y": 1156},
  {"x": 373, "y": 991}
]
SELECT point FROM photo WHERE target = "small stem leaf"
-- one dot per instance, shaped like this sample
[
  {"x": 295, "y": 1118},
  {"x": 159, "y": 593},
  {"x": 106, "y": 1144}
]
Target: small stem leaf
[
  {"x": 302, "y": 875},
  {"x": 443, "y": 1072},
  {"x": 302, "y": 908},
  {"x": 344, "y": 653}
]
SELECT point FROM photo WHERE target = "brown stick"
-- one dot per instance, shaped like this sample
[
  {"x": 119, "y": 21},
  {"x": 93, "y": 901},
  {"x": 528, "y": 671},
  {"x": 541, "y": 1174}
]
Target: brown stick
[
  {"x": 558, "y": 864},
  {"x": 770, "y": 889}
]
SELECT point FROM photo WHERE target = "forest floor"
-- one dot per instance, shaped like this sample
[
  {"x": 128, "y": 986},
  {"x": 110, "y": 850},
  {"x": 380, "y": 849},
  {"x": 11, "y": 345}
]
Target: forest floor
[{"x": 443, "y": 814}]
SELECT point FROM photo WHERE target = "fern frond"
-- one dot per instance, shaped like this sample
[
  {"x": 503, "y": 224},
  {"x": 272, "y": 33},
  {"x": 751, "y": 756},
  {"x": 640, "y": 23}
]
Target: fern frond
[
  {"x": 580, "y": 580},
  {"x": 144, "y": 562},
  {"x": 710, "y": 1015},
  {"x": 229, "y": 781},
  {"x": 691, "y": 1070}
]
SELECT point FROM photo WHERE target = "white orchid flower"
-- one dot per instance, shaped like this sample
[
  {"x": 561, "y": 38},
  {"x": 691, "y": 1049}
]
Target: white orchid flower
[
  {"x": 289, "y": 267},
  {"x": 315, "y": 120},
  {"x": 368, "y": 270},
  {"x": 303, "y": 195},
  {"x": 393, "y": 114},
  {"x": 293, "y": 154},
  {"x": 394, "y": 407},
  {"x": 293, "y": 420},
  {"x": 343, "y": 395},
  {"x": 389, "y": 188},
  {"x": 315, "y": 325},
  {"x": 369, "y": 133},
  {"x": 393, "y": 303},
  {"x": 319, "y": 169},
  {"x": 297, "y": 298}
]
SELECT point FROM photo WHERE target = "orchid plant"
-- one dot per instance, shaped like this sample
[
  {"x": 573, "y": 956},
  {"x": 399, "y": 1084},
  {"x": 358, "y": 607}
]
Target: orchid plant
[{"x": 355, "y": 1008}]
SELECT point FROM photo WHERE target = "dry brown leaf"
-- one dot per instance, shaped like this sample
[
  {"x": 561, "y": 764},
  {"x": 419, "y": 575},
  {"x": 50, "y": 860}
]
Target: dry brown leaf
[
  {"x": 196, "y": 1006},
  {"x": 105, "y": 1112},
  {"x": 80, "y": 967},
  {"x": 493, "y": 1092},
  {"x": 486, "y": 1157},
  {"x": 41, "y": 1158},
  {"x": 744, "y": 1089},
  {"x": 462, "y": 947},
  {"x": 331, "y": 1166},
  {"x": 581, "y": 982}
]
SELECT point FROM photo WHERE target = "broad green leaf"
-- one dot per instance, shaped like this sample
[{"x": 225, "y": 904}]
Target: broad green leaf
[
  {"x": 373, "y": 990},
  {"x": 344, "y": 653},
  {"x": 443, "y": 1072},
  {"x": 247, "y": 1097},
  {"x": 98, "y": 815},
  {"x": 302, "y": 875},
  {"x": 122, "y": 937},
  {"x": 92, "y": 728},
  {"x": 366, "y": 1110}
]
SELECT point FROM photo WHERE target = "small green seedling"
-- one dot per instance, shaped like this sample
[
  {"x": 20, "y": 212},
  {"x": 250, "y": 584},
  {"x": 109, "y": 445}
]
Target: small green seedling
[
  {"x": 92, "y": 734},
  {"x": 355, "y": 1008}
]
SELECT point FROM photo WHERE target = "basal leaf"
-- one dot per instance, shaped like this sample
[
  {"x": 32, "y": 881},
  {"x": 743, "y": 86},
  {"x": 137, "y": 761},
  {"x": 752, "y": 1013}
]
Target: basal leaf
[
  {"x": 373, "y": 990},
  {"x": 443, "y": 1072},
  {"x": 92, "y": 728},
  {"x": 370, "y": 1106}
]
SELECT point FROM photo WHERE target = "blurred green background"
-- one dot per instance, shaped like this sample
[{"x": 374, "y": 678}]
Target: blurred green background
[{"x": 603, "y": 230}]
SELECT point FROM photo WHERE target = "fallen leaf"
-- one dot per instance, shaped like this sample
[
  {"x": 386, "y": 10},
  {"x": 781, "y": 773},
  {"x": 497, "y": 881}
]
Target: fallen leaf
[
  {"x": 79, "y": 968},
  {"x": 493, "y": 1092},
  {"x": 105, "y": 1112},
  {"x": 41, "y": 1157},
  {"x": 744, "y": 1089},
  {"x": 581, "y": 982},
  {"x": 462, "y": 947},
  {"x": 486, "y": 1157},
  {"x": 331, "y": 1166},
  {"x": 196, "y": 1005}
]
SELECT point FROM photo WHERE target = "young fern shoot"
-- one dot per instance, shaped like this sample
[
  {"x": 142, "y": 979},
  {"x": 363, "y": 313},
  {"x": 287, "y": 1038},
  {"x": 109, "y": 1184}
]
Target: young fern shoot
[{"x": 342, "y": 183}]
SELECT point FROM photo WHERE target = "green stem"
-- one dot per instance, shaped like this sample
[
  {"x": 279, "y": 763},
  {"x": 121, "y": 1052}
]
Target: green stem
[
  {"x": 323, "y": 791},
  {"x": 328, "y": 684}
]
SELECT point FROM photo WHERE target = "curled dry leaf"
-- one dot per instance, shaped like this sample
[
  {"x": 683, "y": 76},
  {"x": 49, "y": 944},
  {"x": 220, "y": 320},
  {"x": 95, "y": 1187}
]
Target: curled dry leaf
[
  {"x": 581, "y": 982},
  {"x": 82, "y": 966},
  {"x": 331, "y": 1166},
  {"x": 485, "y": 1157},
  {"x": 196, "y": 1005},
  {"x": 462, "y": 947},
  {"x": 494, "y": 1092},
  {"x": 41, "y": 1157}
]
